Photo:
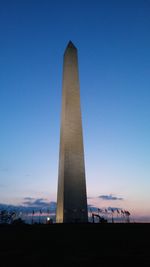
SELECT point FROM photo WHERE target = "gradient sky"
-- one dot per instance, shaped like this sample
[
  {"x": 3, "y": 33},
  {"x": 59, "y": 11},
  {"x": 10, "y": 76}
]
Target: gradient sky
[{"x": 113, "y": 41}]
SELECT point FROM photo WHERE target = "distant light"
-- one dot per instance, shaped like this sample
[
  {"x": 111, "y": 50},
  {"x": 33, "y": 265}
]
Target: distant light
[{"x": 48, "y": 218}]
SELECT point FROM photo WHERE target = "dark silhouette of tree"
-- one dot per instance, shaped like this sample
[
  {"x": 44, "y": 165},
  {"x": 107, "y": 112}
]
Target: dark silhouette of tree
[{"x": 18, "y": 221}]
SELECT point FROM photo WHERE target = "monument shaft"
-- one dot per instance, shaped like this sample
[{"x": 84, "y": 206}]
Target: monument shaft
[{"x": 71, "y": 194}]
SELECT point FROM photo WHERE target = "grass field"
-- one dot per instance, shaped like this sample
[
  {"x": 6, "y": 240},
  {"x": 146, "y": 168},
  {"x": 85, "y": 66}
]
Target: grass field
[{"x": 75, "y": 245}]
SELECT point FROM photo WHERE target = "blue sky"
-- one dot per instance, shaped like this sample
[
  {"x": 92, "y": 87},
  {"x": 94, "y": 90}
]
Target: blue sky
[{"x": 113, "y": 43}]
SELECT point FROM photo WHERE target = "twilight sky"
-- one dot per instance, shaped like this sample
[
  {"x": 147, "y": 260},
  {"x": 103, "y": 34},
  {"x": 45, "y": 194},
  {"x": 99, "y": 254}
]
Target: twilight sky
[{"x": 113, "y": 41}]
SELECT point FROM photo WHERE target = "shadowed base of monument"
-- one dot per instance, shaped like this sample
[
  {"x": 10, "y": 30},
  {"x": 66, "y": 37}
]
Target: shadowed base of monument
[{"x": 75, "y": 245}]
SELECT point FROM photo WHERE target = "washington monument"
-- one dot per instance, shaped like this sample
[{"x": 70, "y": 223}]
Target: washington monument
[{"x": 71, "y": 194}]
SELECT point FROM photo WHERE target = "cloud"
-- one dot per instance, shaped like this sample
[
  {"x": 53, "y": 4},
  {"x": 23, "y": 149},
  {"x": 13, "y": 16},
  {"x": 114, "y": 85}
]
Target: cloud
[
  {"x": 29, "y": 206},
  {"x": 3, "y": 206},
  {"x": 110, "y": 197},
  {"x": 113, "y": 208},
  {"x": 92, "y": 208},
  {"x": 39, "y": 202},
  {"x": 29, "y": 198}
]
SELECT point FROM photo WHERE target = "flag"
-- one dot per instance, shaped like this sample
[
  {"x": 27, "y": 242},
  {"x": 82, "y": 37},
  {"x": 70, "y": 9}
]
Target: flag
[
  {"x": 99, "y": 210},
  {"x": 127, "y": 213}
]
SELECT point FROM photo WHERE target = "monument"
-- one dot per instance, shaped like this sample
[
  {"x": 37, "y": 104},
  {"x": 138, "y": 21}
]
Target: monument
[{"x": 71, "y": 194}]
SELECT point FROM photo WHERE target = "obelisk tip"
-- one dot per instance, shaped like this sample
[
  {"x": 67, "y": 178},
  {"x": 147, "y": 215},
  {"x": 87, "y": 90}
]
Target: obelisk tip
[{"x": 70, "y": 45}]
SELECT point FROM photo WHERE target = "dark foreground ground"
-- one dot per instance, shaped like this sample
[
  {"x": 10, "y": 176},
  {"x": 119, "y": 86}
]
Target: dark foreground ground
[{"x": 75, "y": 245}]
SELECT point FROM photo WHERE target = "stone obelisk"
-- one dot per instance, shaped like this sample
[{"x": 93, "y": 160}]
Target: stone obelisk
[{"x": 71, "y": 194}]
